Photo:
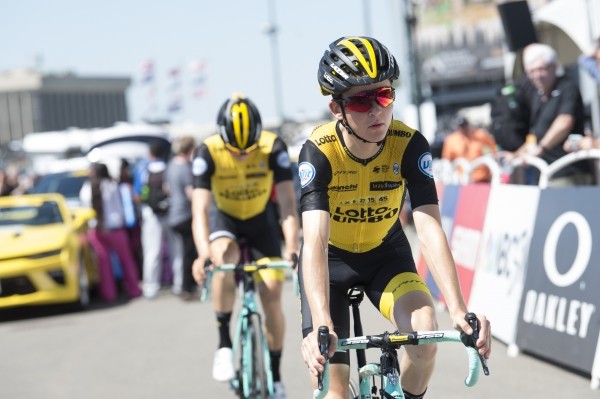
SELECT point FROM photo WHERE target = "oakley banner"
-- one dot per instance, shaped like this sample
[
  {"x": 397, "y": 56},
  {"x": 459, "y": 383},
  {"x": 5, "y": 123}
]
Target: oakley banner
[{"x": 558, "y": 316}]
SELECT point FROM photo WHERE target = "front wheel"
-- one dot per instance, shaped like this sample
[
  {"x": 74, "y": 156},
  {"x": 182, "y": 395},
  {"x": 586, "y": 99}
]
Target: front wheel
[{"x": 260, "y": 360}]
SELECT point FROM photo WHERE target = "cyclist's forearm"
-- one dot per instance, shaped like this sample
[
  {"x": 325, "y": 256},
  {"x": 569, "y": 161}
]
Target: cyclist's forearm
[
  {"x": 314, "y": 266},
  {"x": 290, "y": 227}
]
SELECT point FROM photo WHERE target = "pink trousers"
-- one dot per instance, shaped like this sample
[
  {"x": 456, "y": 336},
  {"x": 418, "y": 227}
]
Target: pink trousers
[{"x": 103, "y": 242}]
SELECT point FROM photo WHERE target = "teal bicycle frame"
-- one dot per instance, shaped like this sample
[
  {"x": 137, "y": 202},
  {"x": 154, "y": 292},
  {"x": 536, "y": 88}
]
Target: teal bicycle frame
[{"x": 254, "y": 378}]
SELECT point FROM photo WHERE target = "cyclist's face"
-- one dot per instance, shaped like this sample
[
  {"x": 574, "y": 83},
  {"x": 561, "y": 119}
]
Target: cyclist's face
[{"x": 372, "y": 124}]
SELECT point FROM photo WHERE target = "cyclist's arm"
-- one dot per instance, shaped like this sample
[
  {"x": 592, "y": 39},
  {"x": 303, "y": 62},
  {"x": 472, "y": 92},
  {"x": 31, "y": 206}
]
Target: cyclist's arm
[
  {"x": 437, "y": 254},
  {"x": 314, "y": 266},
  {"x": 201, "y": 202},
  {"x": 286, "y": 198}
]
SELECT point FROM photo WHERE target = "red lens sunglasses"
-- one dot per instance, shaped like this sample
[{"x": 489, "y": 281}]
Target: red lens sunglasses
[{"x": 363, "y": 101}]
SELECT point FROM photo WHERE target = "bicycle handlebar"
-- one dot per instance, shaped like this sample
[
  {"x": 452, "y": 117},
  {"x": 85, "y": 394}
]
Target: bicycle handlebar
[
  {"x": 246, "y": 267},
  {"x": 397, "y": 340}
]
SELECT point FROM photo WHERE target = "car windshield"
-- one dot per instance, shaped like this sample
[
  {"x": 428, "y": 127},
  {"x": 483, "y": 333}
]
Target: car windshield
[
  {"x": 68, "y": 186},
  {"x": 31, "y": 215}
]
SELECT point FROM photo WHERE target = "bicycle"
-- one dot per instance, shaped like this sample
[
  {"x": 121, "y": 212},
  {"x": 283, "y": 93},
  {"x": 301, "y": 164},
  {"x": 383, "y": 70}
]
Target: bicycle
[
  {"x": 253, "y": 375},
  {"x": 388, "y": 369}
]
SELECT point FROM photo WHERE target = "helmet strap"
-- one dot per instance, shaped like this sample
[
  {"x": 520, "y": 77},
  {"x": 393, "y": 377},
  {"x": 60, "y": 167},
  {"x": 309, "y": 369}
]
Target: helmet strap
[{"x": 353, "y": 133}]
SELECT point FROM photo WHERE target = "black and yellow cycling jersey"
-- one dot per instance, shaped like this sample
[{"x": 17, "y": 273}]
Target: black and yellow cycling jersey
[
  {"x": 364, "y": 196},
  {"x": 241, "y": 186}
]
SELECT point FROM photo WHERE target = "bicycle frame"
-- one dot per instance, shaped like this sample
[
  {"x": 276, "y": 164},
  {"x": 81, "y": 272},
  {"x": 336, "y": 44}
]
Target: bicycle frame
[{"x": 243, "y": 336}]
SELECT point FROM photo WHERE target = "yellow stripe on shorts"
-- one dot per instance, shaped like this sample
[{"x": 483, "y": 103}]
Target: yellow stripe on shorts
[
  {"x": 270, "y": 275},
  {"x": 401, "y": 284}
]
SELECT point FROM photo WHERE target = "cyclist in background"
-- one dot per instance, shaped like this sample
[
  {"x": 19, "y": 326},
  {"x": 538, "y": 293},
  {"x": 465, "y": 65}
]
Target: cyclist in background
[
  {"x": 238, "y": 167},
  {"x": 355, "y": 172}
]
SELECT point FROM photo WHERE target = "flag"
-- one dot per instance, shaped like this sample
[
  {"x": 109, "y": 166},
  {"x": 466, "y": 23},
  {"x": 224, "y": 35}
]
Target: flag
[
  {"x": 147, "y": 72},
  {"x": 198, "y": 77}
]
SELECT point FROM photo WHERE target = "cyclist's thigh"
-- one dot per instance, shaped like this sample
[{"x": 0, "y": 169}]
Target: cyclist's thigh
[
  {"x": 396, "y": 279},
  {"x": 223, "y": 239}
]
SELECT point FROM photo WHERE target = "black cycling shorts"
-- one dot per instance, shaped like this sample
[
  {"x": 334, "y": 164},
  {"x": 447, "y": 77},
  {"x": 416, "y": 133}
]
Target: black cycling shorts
[{"x": 386, "y": 273}]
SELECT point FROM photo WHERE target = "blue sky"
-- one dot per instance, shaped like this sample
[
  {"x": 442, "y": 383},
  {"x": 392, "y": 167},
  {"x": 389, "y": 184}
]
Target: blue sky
[{"x": 114, "y": 38}]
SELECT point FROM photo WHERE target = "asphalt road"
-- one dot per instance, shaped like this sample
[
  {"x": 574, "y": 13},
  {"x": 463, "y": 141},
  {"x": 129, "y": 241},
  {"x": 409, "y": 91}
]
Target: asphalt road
[{"x": 163, "y": 349}]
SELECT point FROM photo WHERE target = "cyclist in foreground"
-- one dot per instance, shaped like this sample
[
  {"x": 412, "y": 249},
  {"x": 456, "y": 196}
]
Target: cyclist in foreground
[
  {"x": 238, "y": 167},
  {"x": 354, "y": 173}
]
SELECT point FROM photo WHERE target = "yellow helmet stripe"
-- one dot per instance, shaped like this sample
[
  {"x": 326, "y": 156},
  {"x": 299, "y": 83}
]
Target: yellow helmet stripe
[
  {"x": 370, "y": 69},
  {"x": 241, "y": 124}
]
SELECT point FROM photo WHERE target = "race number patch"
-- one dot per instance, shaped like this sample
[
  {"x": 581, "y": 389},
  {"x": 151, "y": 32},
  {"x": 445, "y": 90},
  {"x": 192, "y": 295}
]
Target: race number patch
[{"x": 199, "y": 166}]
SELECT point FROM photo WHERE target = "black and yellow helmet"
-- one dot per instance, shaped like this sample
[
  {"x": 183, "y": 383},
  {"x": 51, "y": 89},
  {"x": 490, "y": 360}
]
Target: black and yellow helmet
[
  {"x": 239, "y": 124},
  {"x": 355, "y": 61}
]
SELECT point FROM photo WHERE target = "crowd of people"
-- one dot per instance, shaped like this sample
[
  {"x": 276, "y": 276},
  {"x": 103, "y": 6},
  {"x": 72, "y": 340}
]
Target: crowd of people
[
  {"x": 541, "y": 114},
  {"x": 193, "y": 204}
]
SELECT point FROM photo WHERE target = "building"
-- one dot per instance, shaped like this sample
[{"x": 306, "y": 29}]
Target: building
[{"x": 34, "y": 102}]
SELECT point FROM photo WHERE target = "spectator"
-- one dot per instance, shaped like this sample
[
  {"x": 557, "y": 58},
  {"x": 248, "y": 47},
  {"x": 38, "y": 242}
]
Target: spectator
[
  {"x": 590, "y": 62},
  {"x": 556, "y": 111},
  {"x": 469, "y": 143},
  {"x": 510, "y": 114},
  {"x": 153, "y": 223},
  {"x": 179, "y": 218},
  {"x": 131, "y": 209},
  {"x": 108, "y": 232}
]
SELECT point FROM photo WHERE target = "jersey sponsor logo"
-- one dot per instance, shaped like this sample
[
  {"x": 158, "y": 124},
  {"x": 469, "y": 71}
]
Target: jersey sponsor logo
[
  {"x": 243, "y": 194},
  {"x": 400, "y": 133},
  {"x": 199, "y": 166},
  {"x": 364, "y": 215},
  {"x": 326, "y": 139},
  {"x": 306, "y": 172},
  {"x": 345, "y": 172},
  {"x": 384, "y": 185},
  {"x": 425, "y": 164},
  {"x": 345, "y": 187},
  {"x": 381, "y": 168},
  {"x": 283, "y": 160},
  {"x": 256, "y": 175}
]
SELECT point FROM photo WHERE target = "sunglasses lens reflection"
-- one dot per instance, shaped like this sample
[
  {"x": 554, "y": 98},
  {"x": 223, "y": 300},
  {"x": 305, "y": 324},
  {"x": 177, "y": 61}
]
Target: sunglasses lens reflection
[{"x": 362, "y": 102}]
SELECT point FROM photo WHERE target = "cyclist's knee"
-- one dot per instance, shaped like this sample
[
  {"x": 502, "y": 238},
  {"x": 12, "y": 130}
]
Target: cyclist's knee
[
  {"x": 270, "y": 294},
  {"x": 225, "y": 250},
  {"x": 422, "y": 353}
]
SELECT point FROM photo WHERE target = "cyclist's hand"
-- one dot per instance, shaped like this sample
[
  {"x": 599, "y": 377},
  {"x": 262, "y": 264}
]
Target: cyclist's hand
[
  {"x": 311, "y": 354},
  {"x": 199, "y": 270},
  {"x": 484, "y": 339}
]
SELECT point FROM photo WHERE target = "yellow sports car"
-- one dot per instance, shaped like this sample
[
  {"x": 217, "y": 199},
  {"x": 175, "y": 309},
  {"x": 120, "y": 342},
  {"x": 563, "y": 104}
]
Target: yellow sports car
[{"x": 44, "y": 254}]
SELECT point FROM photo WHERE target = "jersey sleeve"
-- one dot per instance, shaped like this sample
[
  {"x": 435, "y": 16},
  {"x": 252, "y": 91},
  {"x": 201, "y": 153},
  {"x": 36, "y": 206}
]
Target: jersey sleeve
[
  {"x": 203, "y": 167},
  {"x": 416, "y": 168},
  {"x": 314, "y": 170},
  {"x": 279, "y": 162}
]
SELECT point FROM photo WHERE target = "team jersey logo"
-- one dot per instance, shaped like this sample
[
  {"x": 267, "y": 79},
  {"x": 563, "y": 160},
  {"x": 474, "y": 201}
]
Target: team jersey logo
[
  {"x": 306, "y": 172},
  {"x": 425, "y": 164},
  {"x": 283, "y": 160},
  {"x": 199, "y": 166}
]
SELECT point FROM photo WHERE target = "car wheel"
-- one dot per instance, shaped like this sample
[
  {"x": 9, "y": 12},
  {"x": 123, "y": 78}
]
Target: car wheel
[{"x": 84, "y": 285}]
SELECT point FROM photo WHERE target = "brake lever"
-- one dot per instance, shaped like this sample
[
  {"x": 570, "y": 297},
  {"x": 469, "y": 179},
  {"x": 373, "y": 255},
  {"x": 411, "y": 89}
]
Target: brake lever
[{"x": 471, "y": 318}]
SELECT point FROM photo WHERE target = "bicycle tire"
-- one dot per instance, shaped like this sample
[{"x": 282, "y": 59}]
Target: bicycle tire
[{"x": 260, "y": 377}]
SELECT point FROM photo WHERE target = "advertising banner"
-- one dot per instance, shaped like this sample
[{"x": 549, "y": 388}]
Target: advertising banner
[
  {"x": 466, "y": 232},
  {"x": 558, "y": 316},
  {"x": 502, "y": 257}
]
